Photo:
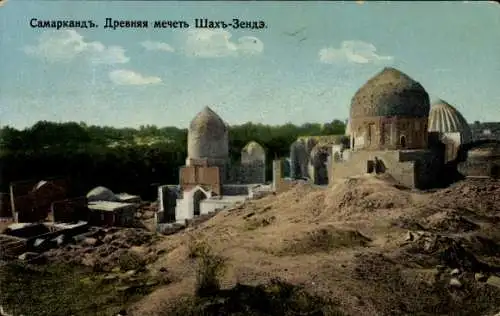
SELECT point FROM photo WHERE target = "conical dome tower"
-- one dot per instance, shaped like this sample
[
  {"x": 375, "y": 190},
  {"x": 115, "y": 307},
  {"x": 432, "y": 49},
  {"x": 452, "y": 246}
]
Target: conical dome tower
[
  {"x": 208, "y": 143},
  {"x": 208, "y": 136}
]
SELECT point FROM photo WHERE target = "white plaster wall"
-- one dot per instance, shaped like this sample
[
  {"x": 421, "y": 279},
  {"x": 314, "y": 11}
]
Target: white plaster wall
[
  {"x": 184, "y": 209},
  {"x": 161, "y": 201},
  {"x": 207, "y": 207}
]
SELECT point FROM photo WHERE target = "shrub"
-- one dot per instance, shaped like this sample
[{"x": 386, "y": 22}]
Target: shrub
[{"x": 209, "y": 270}]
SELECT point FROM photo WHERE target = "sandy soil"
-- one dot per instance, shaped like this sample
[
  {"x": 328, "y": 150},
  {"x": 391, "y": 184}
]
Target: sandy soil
[
  {"x": 376, "y": 248},
  {"x": 373, "y": 247}
]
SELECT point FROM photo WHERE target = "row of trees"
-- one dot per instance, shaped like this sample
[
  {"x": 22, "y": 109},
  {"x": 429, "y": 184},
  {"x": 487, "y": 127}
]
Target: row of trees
[{"x": 125, "y": 159}]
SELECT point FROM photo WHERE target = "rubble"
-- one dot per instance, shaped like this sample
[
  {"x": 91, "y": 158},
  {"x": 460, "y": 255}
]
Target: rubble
[{"x": 108, "y": 249}]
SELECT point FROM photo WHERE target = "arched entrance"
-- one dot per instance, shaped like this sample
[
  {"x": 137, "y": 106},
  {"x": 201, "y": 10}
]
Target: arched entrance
[{"x": 402, "y": 141}]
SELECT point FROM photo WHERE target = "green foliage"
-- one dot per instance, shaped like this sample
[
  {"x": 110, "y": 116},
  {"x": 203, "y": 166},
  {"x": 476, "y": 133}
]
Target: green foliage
[
  {"x": 127, "y": 159},
  {"x": 60, "y": 290},
  {"x": 131, "y": 261}
]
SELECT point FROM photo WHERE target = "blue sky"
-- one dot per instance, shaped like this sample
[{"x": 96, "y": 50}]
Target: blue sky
[{"x": 133, "y": 77}]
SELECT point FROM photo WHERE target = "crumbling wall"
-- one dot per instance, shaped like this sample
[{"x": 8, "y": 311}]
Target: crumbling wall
[
  {"x": 279, "y": 183},
  {"x": 389, "y": 161},
  {"x": 206, "y": 177},
  {"x": 252, "y": 172},
  {"x": 31, "y": 200}
]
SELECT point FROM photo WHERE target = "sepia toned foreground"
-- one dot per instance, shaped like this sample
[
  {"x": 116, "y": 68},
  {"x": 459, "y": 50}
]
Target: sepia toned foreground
[{"x": 361, "y": 246}]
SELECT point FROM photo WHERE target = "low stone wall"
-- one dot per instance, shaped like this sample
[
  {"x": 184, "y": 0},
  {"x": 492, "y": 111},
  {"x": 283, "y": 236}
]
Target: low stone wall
[{"x": 412, "y": 168}]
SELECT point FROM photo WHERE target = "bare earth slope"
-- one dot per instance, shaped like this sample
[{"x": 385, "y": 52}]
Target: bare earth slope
[{"x": 373, "y": 247}]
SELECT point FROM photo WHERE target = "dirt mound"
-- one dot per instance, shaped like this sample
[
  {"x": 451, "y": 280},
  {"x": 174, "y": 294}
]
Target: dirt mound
[
  {"x": 319, "y": 237},
  {"x": 429, "y": 249},
  {"x": 449, "y": 221},
  {"x": 322, "y": 240},
  {"x": 478, "y": 195},
  {"x": 369, "y": 192}
]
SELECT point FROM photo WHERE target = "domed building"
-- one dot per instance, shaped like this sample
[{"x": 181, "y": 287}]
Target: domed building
[
  {"x": 388, "y": 126},
  {"x": 208, "y": 136},
  {"x": 208, "y": 142},
  {"x": 209, "y": 181},
  {"x": 448, "y": 127},
  {"x": 253, "y": 151},
  {"x": 389, "y": 111},
  {"x": 253, "y": 163}
]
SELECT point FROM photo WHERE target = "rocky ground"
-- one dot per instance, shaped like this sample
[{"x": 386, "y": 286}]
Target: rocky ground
[{"x": 362, "y": 246}]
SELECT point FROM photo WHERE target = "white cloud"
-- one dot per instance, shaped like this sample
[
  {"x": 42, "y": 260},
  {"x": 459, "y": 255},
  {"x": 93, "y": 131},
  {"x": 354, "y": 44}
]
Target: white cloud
[
  {"x": 218, "y": 43},
  {"x": 357, "y": 52},
  {"x": 129, "y": 77},
  {"x": 150, "y": 45},
  {"x": 66, "y": 45}
]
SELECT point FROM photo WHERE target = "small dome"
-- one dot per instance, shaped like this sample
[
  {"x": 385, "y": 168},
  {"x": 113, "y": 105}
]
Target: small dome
[
  {"x": 207, "y": 121},
  {"x": 444, "y": 118},
  {"x": 390, "y": 93},
  {"x": 101, "y": 194},
  {"x": 254, "y": 149}
]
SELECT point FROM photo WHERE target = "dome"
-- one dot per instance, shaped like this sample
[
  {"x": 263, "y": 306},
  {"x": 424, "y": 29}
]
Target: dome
[
  {"x": 207, "y": 121},
  {"x": 208, "y": 136},
  {"x": 444, "y": 118},
  {"x": 390, "y": 93},
  {"x": 101, "y": 194},
  {"x": 254, "y": 149}
]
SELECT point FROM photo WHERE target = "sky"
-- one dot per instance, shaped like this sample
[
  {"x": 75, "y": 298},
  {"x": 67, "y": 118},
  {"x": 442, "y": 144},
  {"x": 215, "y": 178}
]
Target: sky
[{"x": 145, "y": 76}]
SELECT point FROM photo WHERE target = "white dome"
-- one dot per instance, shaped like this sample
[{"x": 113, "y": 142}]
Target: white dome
[
  {"x": 101, "y": 194},
  {"x": 444, "y": 118}
]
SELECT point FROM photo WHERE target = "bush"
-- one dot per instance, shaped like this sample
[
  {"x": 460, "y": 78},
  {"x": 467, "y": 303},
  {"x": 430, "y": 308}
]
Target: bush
[
  {"x": 131, "y": 261},
  {"x": 210, "y": 268}
]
